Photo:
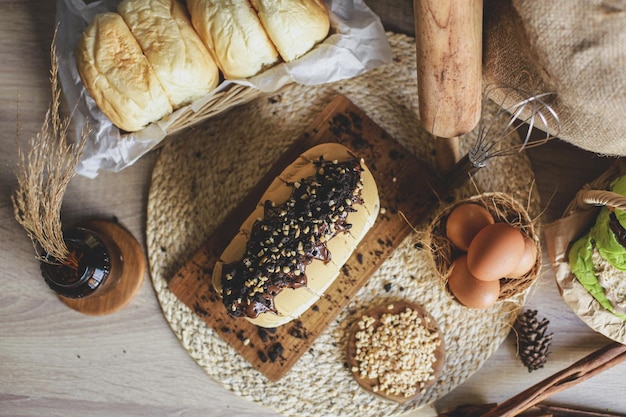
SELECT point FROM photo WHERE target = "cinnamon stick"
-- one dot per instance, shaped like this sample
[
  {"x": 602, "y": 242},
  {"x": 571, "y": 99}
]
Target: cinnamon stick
[
  {"x": 539, "y": 410},
  {"x": 585, "y": 368},
  {"x": 559, "y": 411}
]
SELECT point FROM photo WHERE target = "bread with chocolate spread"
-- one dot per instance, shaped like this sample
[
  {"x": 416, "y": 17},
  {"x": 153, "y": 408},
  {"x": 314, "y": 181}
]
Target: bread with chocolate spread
[{"x": 292, "y": 246}]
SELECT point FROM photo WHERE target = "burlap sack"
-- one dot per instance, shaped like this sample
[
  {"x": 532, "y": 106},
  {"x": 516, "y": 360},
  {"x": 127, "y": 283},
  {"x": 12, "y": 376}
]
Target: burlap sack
[{"x": 576, "y": 48}]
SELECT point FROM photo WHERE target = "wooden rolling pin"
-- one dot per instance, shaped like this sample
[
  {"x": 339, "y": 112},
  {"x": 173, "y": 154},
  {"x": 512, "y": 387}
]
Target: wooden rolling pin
[{"x": 448, "y": 34}]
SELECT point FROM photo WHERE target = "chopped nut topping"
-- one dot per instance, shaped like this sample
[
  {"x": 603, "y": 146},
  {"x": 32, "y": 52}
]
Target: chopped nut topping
[
  {"x": 290, "y": 236},
  {"x": 399, "y": 353}
]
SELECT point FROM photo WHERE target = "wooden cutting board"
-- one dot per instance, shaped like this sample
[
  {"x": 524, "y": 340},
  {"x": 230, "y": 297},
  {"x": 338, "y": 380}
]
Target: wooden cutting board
[{"x": 408, "y": 190}]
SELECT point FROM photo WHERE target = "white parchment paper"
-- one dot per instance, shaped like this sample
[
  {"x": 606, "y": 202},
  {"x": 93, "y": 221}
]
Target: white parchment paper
[{"x": 357, "y": 44}]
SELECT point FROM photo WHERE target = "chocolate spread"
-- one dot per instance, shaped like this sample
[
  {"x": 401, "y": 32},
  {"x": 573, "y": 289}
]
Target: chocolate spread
[{"x": 290, "y": 236}]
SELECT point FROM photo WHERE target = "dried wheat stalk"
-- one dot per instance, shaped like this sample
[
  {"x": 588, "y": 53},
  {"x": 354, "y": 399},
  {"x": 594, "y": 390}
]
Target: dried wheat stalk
[{"x": 43, "y": 174}]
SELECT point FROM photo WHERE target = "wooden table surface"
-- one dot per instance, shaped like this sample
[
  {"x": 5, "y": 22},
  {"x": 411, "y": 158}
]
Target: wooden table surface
[{"x": 56, "y": 362}]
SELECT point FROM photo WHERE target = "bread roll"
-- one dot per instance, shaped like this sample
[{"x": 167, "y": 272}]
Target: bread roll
[
  {"x": 232, "y": 32},
  {"x": 178, "y": 56},
  {"x": 304, "y": 228},
  {"x": 118, "y": 76},
  {"x": 294, "y": 26}
]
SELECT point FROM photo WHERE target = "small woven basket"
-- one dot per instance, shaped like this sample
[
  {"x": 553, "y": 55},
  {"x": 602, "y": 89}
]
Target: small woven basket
[{"x": 504, "y": 209}]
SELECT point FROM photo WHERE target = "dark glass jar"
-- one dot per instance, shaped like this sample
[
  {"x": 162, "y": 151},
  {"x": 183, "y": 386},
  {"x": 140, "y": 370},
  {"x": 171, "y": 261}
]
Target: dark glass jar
[{"x": 92, "y": 267}]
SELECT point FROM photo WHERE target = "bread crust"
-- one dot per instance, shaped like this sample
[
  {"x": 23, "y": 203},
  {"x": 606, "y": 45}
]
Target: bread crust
[
  {"x": 290, "y": 303},
  {"x": 294, "y": 26},
  {"x": 232, "y": 32},
  {"x": 178, "y": 56},
  {"x": 118, "y": 76}
]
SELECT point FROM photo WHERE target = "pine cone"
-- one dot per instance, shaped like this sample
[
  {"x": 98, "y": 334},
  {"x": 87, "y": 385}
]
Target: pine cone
[{"x": 533, "y": 342}]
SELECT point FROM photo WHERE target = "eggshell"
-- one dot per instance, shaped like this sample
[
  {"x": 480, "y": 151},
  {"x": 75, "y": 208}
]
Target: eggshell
[
  {"x": 495, "y": 251},
  {"x": 464, "y": 222},
  {"x": 527, "y": 261},
  {"x": 470, "y": 291}
]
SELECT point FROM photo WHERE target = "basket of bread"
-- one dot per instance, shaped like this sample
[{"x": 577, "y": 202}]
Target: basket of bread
[
  {"x": 485, "y": 249},
  {"x": 587, "y": 249},
  {"x": 137, "y": 71}
]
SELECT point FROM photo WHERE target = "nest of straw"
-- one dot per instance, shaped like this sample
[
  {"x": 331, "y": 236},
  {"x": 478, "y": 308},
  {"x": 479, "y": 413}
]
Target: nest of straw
[{"x": 504, "y": 209}]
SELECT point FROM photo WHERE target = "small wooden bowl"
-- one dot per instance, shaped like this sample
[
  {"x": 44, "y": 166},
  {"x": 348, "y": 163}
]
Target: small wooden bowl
[{"x": 395, "y": 307}]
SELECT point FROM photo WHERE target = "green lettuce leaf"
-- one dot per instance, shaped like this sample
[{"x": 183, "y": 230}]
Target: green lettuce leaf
[
  {"x": 606, "y": 241},
  {"x": 582, "y": 267}
]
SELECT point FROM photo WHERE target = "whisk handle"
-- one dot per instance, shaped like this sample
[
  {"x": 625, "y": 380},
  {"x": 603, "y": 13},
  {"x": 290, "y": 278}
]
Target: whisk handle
[{"x": 461, "y": 173}]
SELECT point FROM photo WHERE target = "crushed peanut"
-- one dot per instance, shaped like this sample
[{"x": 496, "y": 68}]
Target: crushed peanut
[{"x": 399, "y": 353}]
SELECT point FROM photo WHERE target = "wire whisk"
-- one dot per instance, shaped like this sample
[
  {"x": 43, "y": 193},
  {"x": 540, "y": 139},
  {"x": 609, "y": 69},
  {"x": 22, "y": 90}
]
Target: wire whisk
[{"x": 532, "y": 115}]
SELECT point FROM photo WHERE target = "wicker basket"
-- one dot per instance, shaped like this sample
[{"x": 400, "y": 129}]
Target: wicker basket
[
  {"x": 356, "y": 35},
  {"x": 213, "y": 104},
  {"x": 503, "y": 208},
  {"x": 578, "y": 217}
]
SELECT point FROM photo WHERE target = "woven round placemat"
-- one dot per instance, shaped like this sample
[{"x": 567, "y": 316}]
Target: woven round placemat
[{"x": 201, "y": 175}]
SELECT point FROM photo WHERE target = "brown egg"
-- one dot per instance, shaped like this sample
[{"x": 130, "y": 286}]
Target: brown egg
[
  {"x": 527, "y": 261},
  {"x": 464, "y": 222},
  {"x": 495, "y": 251},
  {"x": 470, "y": 291}
]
